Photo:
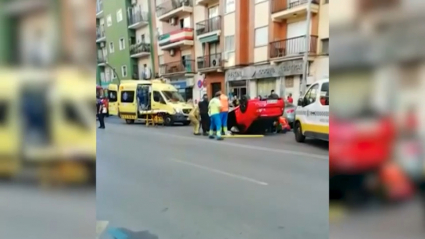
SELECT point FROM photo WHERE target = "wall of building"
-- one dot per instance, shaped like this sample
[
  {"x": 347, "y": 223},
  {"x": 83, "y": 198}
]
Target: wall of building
[
  {"x": 116, "y": 31},
  {"x": 262, "y": 9}
]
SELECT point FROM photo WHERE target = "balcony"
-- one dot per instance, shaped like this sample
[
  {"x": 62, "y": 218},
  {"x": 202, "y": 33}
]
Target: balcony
[
  {"x": 101, "y": 60},
  {"x": 206, "y": 2},
  {"x": 138, "y": 19},
  {"x": 208, "y": 27},
  {"x": 181, "y": 38},
  {"x": 140, "y": 50},
  {"x": 173, "y": 9},
  {"x": 100, "y": 35},
  {"x": 209, "y": 62},
  {"x": 178, "y": 68},
  {"x": 284, "y": 9},
  {"x": 99, "y": 9},
  {"x": 292, "y": 47}
]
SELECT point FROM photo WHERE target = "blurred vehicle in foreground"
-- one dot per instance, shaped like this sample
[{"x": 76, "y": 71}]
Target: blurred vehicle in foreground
[{"x": 47, "y": 125}]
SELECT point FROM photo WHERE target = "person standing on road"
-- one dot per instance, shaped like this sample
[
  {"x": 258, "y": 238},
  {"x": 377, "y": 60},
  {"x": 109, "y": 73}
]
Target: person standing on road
[
  {"x": 224, "y": 111},
  {"x": 100, "y": 115},
  {"x": 205, "y": 118},
  {"x": 289, "y": 99},
  {"x": 194, "y": 119},
  {"x": 214, "y": 108}
]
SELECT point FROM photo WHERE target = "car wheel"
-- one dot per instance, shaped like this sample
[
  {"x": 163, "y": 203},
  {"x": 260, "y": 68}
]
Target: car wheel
[
  {"x": 128, "y": 121},
  {"x": 168, "y": 121},
  {"x": 299, "y": 137},
  {"x": 243, "y": 105}
]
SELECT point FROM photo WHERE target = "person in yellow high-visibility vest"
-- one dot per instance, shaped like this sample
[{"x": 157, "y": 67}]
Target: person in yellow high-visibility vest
[{"x": 214, "y": 108}]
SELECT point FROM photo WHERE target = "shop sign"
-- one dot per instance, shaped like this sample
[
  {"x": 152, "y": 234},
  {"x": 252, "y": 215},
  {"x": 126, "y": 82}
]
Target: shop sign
[
  {"x": 178, "y": 84},
  {"x": 235, "y": 74},
  {"x": 289, "y": 68},
  {"x": 267, "y": 71}
]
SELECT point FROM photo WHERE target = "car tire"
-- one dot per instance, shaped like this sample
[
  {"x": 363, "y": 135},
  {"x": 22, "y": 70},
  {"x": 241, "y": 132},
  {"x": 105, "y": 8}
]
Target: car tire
[
  {"x": 243, "y": 104},
  {"x": 129, "y": 121},
  {"x": 299, "y": 137},
  {"x": 168, "y": 121}
]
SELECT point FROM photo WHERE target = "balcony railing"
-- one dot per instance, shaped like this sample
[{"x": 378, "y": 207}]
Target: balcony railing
[
  {"x": 170, "y": 5},
  {"x": 101, "y": 59},
  {"x": 99, "y": 6},
  {"x": 282, "y": 5},
  {"x": 137, "y": 16},
  {"x": 140, "y": 48},
  {"x": 209, "y": 61},
  {"x": 100, "y": 32},
  {"x": 209, "y": 25},
  {"x": 185, "y": 66},
  {"x": 292, "y": 46}
]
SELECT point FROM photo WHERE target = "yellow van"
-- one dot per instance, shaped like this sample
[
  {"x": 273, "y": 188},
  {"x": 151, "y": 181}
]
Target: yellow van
[
  {"x": 137, "y": 97},
  {"x": 10, "y": 133}
]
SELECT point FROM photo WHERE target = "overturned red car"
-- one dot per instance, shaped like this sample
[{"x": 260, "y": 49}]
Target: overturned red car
[{"x": 255, "y": 115}]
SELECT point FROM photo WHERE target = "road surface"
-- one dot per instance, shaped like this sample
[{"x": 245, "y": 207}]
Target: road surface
[{"x": 166, "y": 183}]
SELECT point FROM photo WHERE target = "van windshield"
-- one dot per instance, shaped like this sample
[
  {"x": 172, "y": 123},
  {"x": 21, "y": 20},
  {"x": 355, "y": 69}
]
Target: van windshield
[{"x": 173, "y": 96}]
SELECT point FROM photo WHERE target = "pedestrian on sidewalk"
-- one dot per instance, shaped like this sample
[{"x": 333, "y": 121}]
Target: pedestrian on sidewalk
[
  {"x": 100, "y": 107},
  {"x": 214, "y": 108},
  {"x": 194, "y": 119},
  {"x": 224, "y": 112},
  {"x": 205, "y": 118}
]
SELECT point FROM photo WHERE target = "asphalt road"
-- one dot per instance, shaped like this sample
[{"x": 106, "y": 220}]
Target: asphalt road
[{"x": 166, "y": 183}]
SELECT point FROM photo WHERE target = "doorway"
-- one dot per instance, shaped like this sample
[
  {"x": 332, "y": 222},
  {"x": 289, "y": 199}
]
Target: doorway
[{"x": 215, "y": 87}]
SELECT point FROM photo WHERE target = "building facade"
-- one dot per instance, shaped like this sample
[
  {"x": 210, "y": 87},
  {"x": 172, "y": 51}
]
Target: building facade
[{"x": 124, "y": 41}]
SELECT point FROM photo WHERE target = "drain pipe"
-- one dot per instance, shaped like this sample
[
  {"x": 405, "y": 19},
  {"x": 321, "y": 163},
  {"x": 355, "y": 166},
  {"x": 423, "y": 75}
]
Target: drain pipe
[{"x": 303, "y": 84}]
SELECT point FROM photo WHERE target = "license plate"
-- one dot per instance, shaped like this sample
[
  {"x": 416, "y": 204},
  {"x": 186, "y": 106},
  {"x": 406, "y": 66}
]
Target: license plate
[{"x": 272, "y": 101}]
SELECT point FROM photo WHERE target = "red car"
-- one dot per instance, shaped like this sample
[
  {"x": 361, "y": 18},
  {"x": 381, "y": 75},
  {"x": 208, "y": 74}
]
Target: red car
[{"x": 256, "y": 115}]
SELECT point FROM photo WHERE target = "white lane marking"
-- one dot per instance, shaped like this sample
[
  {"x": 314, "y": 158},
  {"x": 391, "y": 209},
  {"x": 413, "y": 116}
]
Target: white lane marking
[
  {"x": 224, "y": 142},
  {"x": 221, "y": 172}
]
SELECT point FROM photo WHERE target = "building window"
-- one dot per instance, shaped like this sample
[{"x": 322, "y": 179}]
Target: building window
[
  {"x": 325, "y": 46},
  {"x": 230, "y": 6},
  {"x": 161, "y": 60},
  {"x": 119, "y": 15},
  {"x": 111, "y": 47},
  {"x": 258, "y": 1},
  {"x": 122, "y": 44},
  {"x": 109, "y": 20},
  {"x": 229, "y": 44},
  {"x": 261, "y": 36},
  {"x": 124, "y": 71}
]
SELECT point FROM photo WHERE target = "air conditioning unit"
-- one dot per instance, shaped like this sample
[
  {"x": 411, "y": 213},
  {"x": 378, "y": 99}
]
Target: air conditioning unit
[
  {"x": 214, "y": 62},
  {"x": 173, "y": 21},
  {"x": 172, "y": 52},
  {"x": 102, "y": 44}
]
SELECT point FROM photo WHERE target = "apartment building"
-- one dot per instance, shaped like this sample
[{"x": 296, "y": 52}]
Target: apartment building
[
  {"x": 27, "y": 29},
  {"x": 175, "y": 34},
  {"x": 124, "y": 40}
]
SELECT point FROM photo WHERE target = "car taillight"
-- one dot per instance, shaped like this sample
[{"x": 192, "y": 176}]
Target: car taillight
[{"x": 290, "y": 111}]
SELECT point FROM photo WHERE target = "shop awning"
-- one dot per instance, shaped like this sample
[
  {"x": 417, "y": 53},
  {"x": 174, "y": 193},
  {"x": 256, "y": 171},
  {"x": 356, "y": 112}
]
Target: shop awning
[{"x": 212, "y": 38}]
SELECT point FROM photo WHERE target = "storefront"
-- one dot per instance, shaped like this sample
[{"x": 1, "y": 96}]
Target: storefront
[
  {"x": 180, "y": 85},
  {"x": 255, "y": 81},
  {"x": 214, "y": 82}
]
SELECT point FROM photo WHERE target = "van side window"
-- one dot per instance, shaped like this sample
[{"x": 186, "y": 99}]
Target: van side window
[
  {"x": 112, "y": 96},
  {"x": 310, "y": 96},
  {"x": 127, "y": 96},
  {"x": 4, "y": 111},
  {"x": 324, "y": 94},
  {"x": 157, "y": 96}
]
